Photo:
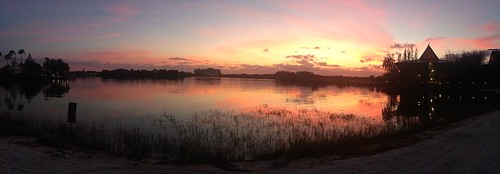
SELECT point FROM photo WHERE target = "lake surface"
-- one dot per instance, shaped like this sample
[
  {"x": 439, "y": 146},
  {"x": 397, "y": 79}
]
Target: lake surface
[
  {"x": 102, "y": 100},
  {"x": 130, "y": 101}
]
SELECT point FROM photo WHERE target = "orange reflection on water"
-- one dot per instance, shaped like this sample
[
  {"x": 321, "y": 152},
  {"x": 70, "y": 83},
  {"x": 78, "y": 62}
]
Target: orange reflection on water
[{"x": 185, "y": 97}]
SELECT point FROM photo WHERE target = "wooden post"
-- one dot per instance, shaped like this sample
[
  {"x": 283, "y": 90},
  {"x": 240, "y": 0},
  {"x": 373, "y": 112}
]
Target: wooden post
[{"x": 71, "y": 112}]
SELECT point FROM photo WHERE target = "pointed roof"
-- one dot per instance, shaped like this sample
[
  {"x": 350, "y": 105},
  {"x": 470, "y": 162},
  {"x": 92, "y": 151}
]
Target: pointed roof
[{"x": 428, "y": 55}]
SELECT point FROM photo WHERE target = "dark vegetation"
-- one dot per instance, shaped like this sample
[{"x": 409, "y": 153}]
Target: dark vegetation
[
  {"x": 142, "y": 74},
  {"x": 264, "y": 133},
  {"x": 286, "y": 77},
  {"x": 465, "y": 70},
  {"x": 30, "y": 70},
  {"x": 309, "y": 78}
]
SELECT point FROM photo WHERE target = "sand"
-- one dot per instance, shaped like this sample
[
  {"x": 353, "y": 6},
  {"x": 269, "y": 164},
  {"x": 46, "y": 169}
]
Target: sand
[{"x": 473, "y": 146}]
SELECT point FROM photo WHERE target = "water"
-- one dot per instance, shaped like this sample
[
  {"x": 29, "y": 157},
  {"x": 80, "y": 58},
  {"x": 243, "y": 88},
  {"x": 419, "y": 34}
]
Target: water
[
  {"x": 189, "y": 118},
  {"x": 136, "y": 101},
  {"x": 102, "y": 100}
]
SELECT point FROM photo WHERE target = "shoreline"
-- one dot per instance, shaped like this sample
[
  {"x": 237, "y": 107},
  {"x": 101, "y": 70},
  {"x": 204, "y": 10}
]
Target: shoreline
[{"x": 467, "y": 146}]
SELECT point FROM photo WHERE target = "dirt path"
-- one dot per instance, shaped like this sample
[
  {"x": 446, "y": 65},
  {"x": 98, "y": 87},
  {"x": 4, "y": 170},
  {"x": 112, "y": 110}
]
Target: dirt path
[{"x": 471, "y": 147}]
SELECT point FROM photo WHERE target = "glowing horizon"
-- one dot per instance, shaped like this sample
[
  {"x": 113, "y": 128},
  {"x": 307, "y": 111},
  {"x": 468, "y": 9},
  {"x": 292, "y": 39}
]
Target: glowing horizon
[{"x": 324, "y": 37}]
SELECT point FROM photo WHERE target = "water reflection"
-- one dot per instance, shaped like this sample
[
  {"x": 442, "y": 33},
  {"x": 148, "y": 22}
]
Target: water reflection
[
  {"x": 430, "y": 108},
  {"x": 16, "y": 95},
  {"x": 207, "y": 80},
  {"x": 104, "y": 100},
  {"x": 56, "y": 89}
]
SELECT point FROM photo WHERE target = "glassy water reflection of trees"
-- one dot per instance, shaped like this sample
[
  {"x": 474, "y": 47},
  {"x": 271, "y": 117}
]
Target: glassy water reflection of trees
[{"x": 18, "y": 94}]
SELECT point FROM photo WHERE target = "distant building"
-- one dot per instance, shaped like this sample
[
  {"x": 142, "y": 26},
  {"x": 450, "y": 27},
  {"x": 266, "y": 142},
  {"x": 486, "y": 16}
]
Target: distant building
[
  {"x": 428, "y": 69},
  {"x": 207, "y": 72},
  {"x": 495, "y": 56}
]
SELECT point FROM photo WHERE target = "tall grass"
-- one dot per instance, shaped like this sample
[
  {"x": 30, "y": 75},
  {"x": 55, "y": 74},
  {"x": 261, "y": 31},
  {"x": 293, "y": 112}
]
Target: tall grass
[{"x": 215, "y": 135}]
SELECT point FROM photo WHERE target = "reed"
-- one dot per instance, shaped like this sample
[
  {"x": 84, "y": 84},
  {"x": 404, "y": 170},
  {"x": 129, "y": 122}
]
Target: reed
[{"x": 215, "y": 135}]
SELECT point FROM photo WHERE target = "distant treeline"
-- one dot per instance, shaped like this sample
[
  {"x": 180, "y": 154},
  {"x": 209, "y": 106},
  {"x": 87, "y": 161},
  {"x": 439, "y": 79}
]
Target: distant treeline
[
  {"x": 142, "y": 74},
  {"x": 305, "y": 77},
  {"x": 300, "y": 77}
]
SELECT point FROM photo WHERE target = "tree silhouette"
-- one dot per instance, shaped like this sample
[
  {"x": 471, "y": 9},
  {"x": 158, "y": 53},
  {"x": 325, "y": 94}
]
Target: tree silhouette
[
  {"x": 21, "y": 52},
  {"x": 12, "y": 54},
  {"x": 31, "y": 67},
  {"x": 8, "y": 57},
  {"x": 55, "y": 67},
  {"x": 389, "y": 64}
]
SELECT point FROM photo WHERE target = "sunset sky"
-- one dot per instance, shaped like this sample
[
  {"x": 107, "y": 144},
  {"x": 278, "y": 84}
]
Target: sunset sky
[{"x": 325, "y": 37}]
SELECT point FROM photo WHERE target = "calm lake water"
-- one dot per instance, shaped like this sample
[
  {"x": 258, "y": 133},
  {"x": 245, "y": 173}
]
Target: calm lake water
[
  {"x": 129, "y": 101},
  {"x": 103, "y": 100}
]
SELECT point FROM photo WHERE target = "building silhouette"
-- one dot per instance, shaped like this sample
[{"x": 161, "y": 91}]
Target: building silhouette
[
  {"x": 428, "y": 69},
  {"x": 207, "y": 72},
  {"x": 494, "y": 56}
]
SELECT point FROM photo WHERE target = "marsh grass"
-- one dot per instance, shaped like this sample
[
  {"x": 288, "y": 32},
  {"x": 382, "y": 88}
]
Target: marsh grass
[{"x": 215, "y": 135}]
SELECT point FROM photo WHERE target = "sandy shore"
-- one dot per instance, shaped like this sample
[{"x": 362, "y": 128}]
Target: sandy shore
[{"x": 470, "y": 147}]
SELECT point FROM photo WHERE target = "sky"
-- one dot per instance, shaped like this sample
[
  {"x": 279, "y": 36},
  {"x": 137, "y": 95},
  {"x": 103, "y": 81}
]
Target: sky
[{"x": 335, "y": 37}]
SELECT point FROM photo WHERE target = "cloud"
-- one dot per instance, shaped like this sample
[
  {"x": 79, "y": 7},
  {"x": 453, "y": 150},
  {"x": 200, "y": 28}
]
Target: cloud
[
  {"x": 314, "y": 48},
  {"x": 491, "y": 27},
  {"x": 57, "y": 39},
  {"x": 366, "y": 60},
  {"x": 449, "y": 43},
  {"x": 486, "y": 42},
  {"x": 402, "y": 45},
  {"x": 326, "y": 64},
  {"x": 434, "y": 39},
  {"x": 177, "y": 59},
  {"x": 121, "y": 12},
  {"x": 307, "y": 56}
]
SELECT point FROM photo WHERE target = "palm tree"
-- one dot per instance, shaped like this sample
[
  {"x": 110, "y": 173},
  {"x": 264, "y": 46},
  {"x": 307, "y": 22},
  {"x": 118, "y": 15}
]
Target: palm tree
[
  {"x": 21, "y": 52},
  {"x": 12, "y": 53},
  {"x": 8, "y": 57}
]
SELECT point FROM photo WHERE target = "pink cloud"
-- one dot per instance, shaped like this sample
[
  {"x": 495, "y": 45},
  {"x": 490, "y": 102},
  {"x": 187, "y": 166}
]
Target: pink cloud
[
  {"x": 484, "y": 42},
  {"x": 491, "y": 27},
  {"x": 77, "y": 38},
  {"x": 435, "y": 39},
  {"x": 122, "y": 12}
]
